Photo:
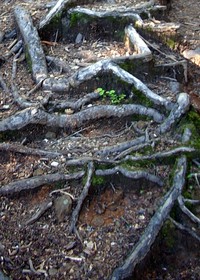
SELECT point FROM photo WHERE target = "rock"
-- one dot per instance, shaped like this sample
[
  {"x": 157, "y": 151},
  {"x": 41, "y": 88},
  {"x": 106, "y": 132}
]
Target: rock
[
  {"x": 63, "y": 206},
  {"x": 79, "y": 38},
  {"x": 175, "y": 86},
  {"x": 193, "y": 55}
]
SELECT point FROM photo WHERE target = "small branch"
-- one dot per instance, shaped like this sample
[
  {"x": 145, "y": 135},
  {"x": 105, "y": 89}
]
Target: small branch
[{"x": 75, "y": 213}]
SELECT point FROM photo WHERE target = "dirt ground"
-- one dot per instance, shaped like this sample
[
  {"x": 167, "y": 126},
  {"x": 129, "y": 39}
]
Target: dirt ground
[{"x": 114, "y": 214}]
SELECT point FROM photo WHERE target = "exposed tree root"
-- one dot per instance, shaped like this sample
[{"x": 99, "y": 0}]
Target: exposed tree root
[
  {"x": 160, "y": 113},
  {"x": 143, "y": 246},
  {"x": 37, "y": 181}
]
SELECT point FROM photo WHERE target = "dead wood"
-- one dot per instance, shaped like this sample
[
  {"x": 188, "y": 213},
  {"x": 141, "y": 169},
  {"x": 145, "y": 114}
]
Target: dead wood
[
  {"x": 33, "y": 49},
  {"x": 143, "y": 246},
  {"x": 37, "y": 181}
]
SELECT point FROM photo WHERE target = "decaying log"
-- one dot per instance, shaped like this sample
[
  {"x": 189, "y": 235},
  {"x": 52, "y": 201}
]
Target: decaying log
[
  {"x": 143, "y": 246},
  {"x": 37, "y": 181},
  {"x": 33, "y": 48}
]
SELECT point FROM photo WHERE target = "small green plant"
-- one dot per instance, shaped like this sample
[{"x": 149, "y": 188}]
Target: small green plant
[{"x": 112, "y": 95}]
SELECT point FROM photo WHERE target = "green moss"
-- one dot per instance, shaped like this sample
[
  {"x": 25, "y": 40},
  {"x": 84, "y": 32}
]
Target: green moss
[
  {"x": 166, "y": 234},
  {"x": 141, "y": 98},
  {"x": 78, "y": 19},
  {"x": 98, "y": 180},
  {"x": 55, "y": 21},
  {"x": 171, "y": 43},
  {"x": 192, "y": 122}
]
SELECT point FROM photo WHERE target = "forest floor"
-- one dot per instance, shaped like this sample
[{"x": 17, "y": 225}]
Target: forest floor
[{"x": 112, "y": 218}]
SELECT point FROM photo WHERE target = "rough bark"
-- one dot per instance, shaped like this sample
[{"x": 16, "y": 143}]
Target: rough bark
[
  {"x": 143, "y": 246},
  {"x": 33, "y": 48}
]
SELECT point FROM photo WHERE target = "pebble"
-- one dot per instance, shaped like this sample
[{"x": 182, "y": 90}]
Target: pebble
[
  {"x": 79, "y": 38},
  {"x": 54, "y": 163}
]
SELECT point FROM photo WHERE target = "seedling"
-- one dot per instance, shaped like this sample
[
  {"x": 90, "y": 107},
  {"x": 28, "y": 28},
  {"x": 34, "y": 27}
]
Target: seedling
[{"x": 112, "y": 95}]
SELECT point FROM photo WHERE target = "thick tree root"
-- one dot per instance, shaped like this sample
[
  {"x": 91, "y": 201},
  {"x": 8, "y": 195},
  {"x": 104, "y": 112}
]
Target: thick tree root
[{"x": 143, "y": 246}]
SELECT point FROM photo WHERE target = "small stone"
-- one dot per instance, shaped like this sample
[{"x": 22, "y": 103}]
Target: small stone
[
  {"x": 6, "y": 107},
  {"x": 54, "y": 163},
  {"x": 63, "y": 206},
  {"x": 175, "y": 87},
  {"x": 79, "y": 38}
]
